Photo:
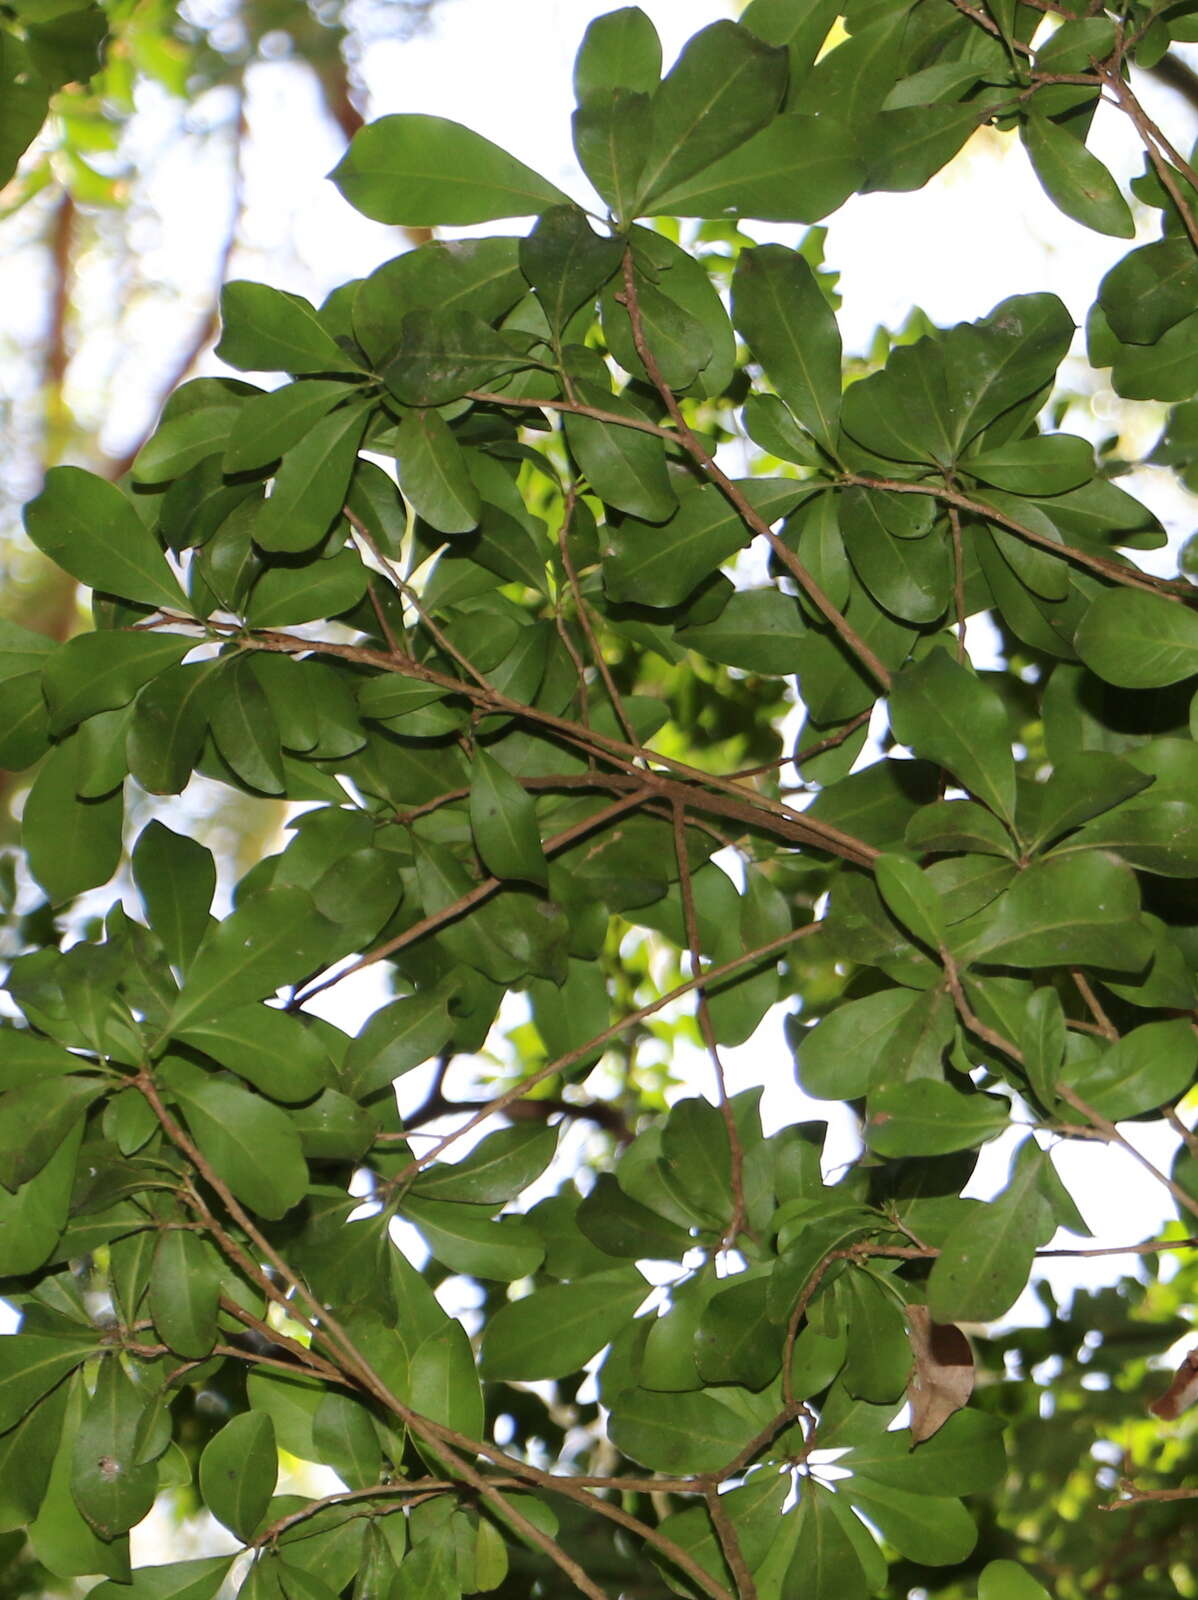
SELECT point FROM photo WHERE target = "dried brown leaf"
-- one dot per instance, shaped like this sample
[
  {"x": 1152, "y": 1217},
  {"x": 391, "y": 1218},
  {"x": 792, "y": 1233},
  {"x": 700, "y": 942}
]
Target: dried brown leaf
[
  {"x": 941, "y": 1380},
  {"x": 1181, "y": 1393}
]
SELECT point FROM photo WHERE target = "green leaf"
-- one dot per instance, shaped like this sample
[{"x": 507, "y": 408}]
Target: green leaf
[
  {"x": 756, "y": 631},
  {"x": 1166, "y": 370},
  {"x": 112, "y": 1488},
  {"x": 936, "y": 1532},
  {"x": 421, "y": 171},
  {"x": 185, "y": 1292},
  {"x": 35, "y": 1120},
  {"x": 177, "y": 1580},
  {"x": 735, "y": 1340},
  {"x": 238, "y": 1470},
  {"x": 559, "y": 1328},
  {"x": 659, "y": 566},
  {"x": 31, "y": 1365},
  {"x": 1047, "y": 463},
  {"x": 344, "y": 1434},
  {"x": 90, "y": 529},
  {"x": 252, "y": 1145},
  {"x": 620, "y": 1226},
  {"x": 611, "y": 139},
  {"x": 498, "y": 1169},
  {"x": 170, "y": 720},
  {"x": 1076, "y": 181},
  {"x": 985, "y": 1260},
  {"x": 992, "y": 364},
  {"x": 504, "y": 824},
  {"x": 620, "y": 50},
  {"x": 842, "y": 1056},
  {"x": 1148, "y": 1066},
  {"x": 433, "y": 472},
  {"x": 625, "y": 467},
  {"x": 311, "y": 484},
  {"x": 926, "y": 1118},
  {"x": 566, "y": 262},
  {"x": 949, "y": 716},
  {"x": 912, "y": 578},
  {"x": 1150, "y": 290},
  {"x": 466, "y": 1240},
  {"x": 677, "y": 1433},
  {"x": 284, "y": 596},
  {"x": 275, "y": 937},
  {"x": 60, "y": 1538},
  {"x": 270, "y": 330},
  {"x": 798, "y": 169},
  {"x": 243, "y": 726},
  {"x": 270, "y": 1049},
  {"x": 445, "y": 351},
  {"x": 268, "y": 425},
  {"x": 910, "y": 897},
  {"x": 779, "y": 307},
  {"x": 1138, "y": 640},
  {"x": 1007, "y": 1580},
  {"x": 1161, "y": 838},
  {"x": 956, "y": 825},
  {"x": 99, "y": 671},
  {"x": 72, "y": 844},
  {"x": 176, "y": 878},
  {"x": 443, "y": 1382},
  {"x": 726, "y": 84},
  {"x": 1071, "y": 910},
  {"x": 395, "y": 1039}
]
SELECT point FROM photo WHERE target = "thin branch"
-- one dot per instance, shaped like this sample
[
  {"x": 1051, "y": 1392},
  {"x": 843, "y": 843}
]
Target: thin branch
[
  {"x": 954, "y": 523},
  {"x": 584, "y": 617}
]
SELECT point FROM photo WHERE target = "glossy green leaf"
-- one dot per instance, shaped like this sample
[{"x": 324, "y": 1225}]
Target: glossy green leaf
[
  {"x": 72, "y": 844},
  {"x": 619, "y": 50},
  {"x": 659, "y": 566},
  {"x": 841, "y": 1057},
  {"x": 243, "y": 727},
  {"x": 35, "y": 1119},
  {"x": 87, "y": 526},
  {"x": 185, "y": 1292},
  {"x": 625, "y": 467},
  {"x": 611, "y": 140},
  {"x": 677, "y": 1433},
  {"x": 1047, "y": 463},
  {"x": 912, "y": 578},
  {"x": 284, "y": 596},
  {"x": 556, "y": 1330},
  {"x": 312, "y": 482},
  {"x": 270, "y": 1049},
  {"x": 566, "y": 262},
  {"x": 503, "y": 822},
  {"x": 1007, "y": 1580},
  {"x": 911, "y": 897},
  {"x": 1061, "y": 912},
  {"x": 442, "y": 353},
  {"x": 926, "y": 1118},
  {"x": 1138, "y": 640},
  {"x": 726, "y": 84},
  {"x": 170, "y": 719},
  {"x": 756, "y": 631},
  {"x": 31, "y": 1365},
  {"x": 251, "y": 1144},
  {"x": 1148, "y": 1066},
  {"x": 421, "y": 171},
  {"x": 780, "y": 309},
  {"x": 345, "y": 1436},
  {"x": 238, "y": 1470},
  {"x": 270, "y": 424},
  {"x": 497, "y": 1170},
  {"x": 396, "y": 1038},
  {"x": 433, "y": 473},
  {"x": 1075, "y": 180},
  {"x": 98, "y": 671},
  {"x": 466, "y": 1240},
  {"x": 175, "y": 1580},
  {"x": 112, "y": 1488},
  {"x": 274, "y": 937},
  {"x": 270, "y": 330},
  {"x": 948, "y": 715},
  {"x": 797, "y": 169}
]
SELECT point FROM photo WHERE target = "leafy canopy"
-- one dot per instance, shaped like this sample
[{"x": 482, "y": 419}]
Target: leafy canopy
[{"x": 531, "y": 697}]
